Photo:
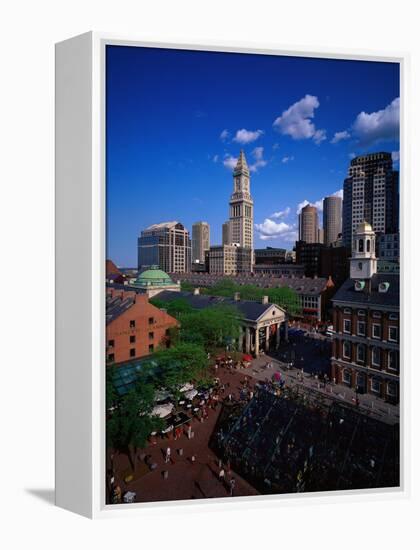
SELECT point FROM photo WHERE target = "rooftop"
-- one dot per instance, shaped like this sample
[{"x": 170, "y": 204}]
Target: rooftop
[{"x": 347, "y": 292}]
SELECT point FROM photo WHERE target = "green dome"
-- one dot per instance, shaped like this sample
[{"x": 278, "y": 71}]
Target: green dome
[{"x": 153, "y": 277}]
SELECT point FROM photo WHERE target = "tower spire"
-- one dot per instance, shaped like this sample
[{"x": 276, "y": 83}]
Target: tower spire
[{"x": 241, "y": 165}]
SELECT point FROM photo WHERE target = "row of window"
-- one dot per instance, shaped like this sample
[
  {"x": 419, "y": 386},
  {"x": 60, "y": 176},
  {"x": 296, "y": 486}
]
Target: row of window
[
  {"x": 111, "y": 356},
  {"x": 376, "y": 330},
  {"x": 375, "y": 314},
  {"x": 375, "y": 384},
  {"x": 133, "y": 322},
  {"x": 375, "y": 355}
]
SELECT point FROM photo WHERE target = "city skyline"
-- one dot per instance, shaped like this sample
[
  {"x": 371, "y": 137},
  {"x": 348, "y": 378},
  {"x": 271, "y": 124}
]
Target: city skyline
[{"x": 298, "y": 138}]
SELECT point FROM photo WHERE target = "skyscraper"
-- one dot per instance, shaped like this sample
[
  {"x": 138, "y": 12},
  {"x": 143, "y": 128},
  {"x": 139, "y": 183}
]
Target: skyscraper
[
  {"x": 332, "y": 207},
  {"x": 241, "y": 206},
  {"x": 226, "y": 233},
  {"x": 308, "y": 224},
  {"x": 200, "y": 241},
  {"x": 371, "y": 194},
  {"x": 167, "y": 245}
]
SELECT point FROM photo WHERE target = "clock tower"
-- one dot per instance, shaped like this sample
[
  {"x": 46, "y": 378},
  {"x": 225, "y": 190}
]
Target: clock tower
[{"x": 241, "y": 206}]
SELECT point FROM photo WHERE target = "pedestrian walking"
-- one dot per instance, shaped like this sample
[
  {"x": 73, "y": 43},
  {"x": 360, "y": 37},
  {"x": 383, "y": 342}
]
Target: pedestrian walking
[
  {"x": 222, "y": 475},
  {"x": 232, "y": 484},
  {"x": 168, "y": 455}
]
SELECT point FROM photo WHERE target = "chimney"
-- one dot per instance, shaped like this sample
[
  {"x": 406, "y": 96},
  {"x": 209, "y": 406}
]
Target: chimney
[
  {"x": 237, "y": 296},
  {"x": 196, "y": 291},
  {"x": 264, "y": 300}
]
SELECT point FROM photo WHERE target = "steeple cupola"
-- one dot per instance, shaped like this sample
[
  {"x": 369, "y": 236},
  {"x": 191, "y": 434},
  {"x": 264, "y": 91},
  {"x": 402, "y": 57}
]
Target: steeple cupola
[{"x": 363, "y": 263}]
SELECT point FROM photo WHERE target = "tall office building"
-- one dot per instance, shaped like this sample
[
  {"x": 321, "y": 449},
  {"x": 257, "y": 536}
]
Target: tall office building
[
  {"x": 241, "y": 206},
  {"x": 226, "y": 239},
  {"x": 167, "y": 245},
  {"x": 371, "y": 194},
  {"x": 308, "y": 224},
  {"x": 200, "y": 241},
  {"x": 332, "y": 207}
]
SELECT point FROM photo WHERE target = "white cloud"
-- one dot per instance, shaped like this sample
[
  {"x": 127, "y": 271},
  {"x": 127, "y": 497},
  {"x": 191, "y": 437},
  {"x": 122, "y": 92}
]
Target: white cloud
[
  {"x": 275, "y": 146},
  {"x": 230, "y": 162},
  {"x": 296, "y": 121},
  {"x": 281, "y": 214},
  {"x": 382, "y": 125},
  {"x": 247, "y": 136},
  {"x": 338, "y": 193},
  {"x": 340, "y": 136},
  {"x": 260, "y": 162},
  {"x": 287, "y": 159},
  {"x": 395, "y": 156},
  {"x": 272, "y": 230},
  {"x": 352, "y": 156},
  {"x": 224, "y": 135},
  {"x": 216, "y": 158}
]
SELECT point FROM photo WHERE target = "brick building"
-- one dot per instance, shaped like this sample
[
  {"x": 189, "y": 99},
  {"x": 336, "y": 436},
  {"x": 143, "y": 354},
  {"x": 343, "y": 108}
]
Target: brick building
[
  {"x": 365, "y": 352},
  {"x": 134, "y": 327}
]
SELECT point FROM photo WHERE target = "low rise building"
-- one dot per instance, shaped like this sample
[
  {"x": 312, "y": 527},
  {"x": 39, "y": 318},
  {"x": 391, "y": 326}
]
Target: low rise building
[
  {"x": 366, "y": 320},
  {"x": 134, "y": 327},
  {"x": 230, "y": 259}
]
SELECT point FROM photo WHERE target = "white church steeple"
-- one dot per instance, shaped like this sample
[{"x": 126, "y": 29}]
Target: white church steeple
[{"x": 363, "y": 263}]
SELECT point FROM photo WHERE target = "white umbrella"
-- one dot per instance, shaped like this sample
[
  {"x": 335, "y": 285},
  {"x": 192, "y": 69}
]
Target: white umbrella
[
  {"x": 191, "y": 394},
  {"x": 160, "y": 395},
  {"x": 186, "y": 387},
  {"x": 163, "y": 410}
]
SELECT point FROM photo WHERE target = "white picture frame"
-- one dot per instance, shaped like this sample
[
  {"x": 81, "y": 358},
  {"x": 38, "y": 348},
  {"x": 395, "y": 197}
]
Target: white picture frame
[{"x": 80, "y": 277}]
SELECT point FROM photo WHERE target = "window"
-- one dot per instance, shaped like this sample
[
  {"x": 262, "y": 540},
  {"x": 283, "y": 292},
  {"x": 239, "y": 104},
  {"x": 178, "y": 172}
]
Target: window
[
  {"x": 132, "y": 352},
  {"x": 151, "y": 320},
  {"x": 132, "y": 324},
  {"x": 151, "y": 348},
  {"x": 347, "y": 310},
  {"x": 376, "y": 330},
  {"x": 393, "y": 361},
  {"x": 168, "y": 332},
  {"x": 346, "y": 350},
  {"x": 111, "y": 357},
  {"x": 376, "y": 357},
  {"x": 368, "y": 245},
  {"x": 360, "y": 245},
  {"x": 132, "y": 339},
  {"x": 376, "y": 315},
  {"x": 151, "y": 335},
  {"x": 346, "y": 377},
  {"x": 393, "y": 317},
  {"x": 361, "y": 353},
  {"x": 361, "y": 313},
  {"x": 347, "y": 326},
  {"x": 361, "y": 328},
  {"x": 360, "y": 266},
  {"x": 391, "y": 389},
  {"x": 392, "y": 334},
  {"x": 111, "y": 343},
  {"x": 375, "y": 385}
]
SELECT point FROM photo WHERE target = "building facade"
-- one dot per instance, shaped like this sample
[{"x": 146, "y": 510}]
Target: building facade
[
  {"x": 226, "y": 233},
  {"x": 308, "y": 224},
  {"x": 167, "y": 245},
  {"x": 241, "y": 206},
  {"x": 332, "y": 207},
  {"x": 270, "y": 255},
  {"x": 309, "y": 255},
  {"x": 200, "y": 241},
  {"x": 366, "y": 320},
  {"x": 370, "y": 193},
  {"x": 229, "y": 259},
  {"x": 134, "y": 327},
  {"x": 389, "y": 247}
]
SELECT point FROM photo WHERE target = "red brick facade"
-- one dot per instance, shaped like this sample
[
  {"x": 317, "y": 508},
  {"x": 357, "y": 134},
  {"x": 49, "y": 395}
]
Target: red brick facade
[
  {"x": 365, "y": 352},
  {"x": 138, "y": 331}
]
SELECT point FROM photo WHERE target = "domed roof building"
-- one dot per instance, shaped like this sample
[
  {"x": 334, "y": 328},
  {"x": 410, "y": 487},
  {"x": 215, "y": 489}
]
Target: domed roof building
[{"x": 154, "y": 280}]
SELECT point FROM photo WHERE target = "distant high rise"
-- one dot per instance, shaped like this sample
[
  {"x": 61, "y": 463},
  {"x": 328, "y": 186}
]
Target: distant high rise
[
  {"x": 200, "y": 241},
  {"x": 167, "y": 245},
  {"x": 371, "y": 194},
  {"x": 332, "y": 207},
  {"x": 308, "y": 224},
  {"x": 241, "y": 206},
  {"x": 226, "y": 239}
]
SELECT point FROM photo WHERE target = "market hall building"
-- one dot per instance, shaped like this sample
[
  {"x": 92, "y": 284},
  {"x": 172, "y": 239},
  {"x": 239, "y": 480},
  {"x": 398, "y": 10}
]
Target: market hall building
[
  {"x": 264, "y": 325},
  {"x": 366, "y": 319}
]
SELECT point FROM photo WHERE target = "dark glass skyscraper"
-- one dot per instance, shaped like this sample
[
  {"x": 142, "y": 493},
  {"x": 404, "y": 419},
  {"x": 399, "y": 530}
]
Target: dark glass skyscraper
[{"x": 370, "y": 193}]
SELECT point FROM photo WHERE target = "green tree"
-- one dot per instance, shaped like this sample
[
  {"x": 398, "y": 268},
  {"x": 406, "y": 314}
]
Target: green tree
[{"x": 130, "y": 423}]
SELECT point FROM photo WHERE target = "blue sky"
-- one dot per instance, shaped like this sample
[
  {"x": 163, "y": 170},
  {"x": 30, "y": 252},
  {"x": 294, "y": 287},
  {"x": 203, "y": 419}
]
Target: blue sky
[{"x": 176, "y": 120}]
